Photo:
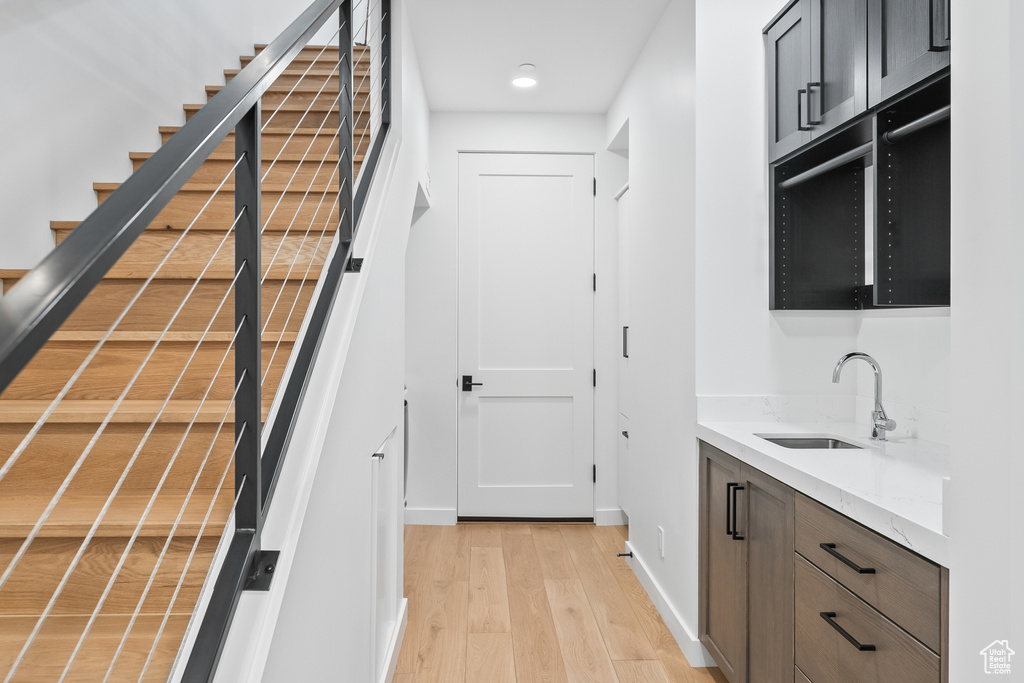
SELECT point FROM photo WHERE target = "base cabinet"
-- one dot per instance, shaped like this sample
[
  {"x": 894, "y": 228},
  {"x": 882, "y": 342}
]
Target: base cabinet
[
  {"x": 793, "y": 591},
  {"x": 746, "y": 570}
]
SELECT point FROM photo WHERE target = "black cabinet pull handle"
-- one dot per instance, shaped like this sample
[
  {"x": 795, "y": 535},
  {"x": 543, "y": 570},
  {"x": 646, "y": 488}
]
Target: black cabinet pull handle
[
  {"x": 728, "y": 508},
  {"x": 932, "y": 28},
  {"x": 829, "y": 617},
  {"x": 809, "y": 86},
  {"x": 735, "y": 518},
  {"x": 830, "y": 548},
  {"x": 800, "y": 109},
  {"x": 625, "y": 341}
]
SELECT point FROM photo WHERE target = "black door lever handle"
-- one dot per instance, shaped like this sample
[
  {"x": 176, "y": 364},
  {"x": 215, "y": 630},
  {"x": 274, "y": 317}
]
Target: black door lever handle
[{"x": 468, "y": 383}]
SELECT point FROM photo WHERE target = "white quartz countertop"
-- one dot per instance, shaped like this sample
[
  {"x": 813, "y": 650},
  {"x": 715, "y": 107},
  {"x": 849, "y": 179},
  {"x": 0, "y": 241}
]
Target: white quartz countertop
[{"x": 893, "y": 487}]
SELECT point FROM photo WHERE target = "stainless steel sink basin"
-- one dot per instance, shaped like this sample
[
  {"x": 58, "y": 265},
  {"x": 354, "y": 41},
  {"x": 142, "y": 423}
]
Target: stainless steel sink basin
[{"x": 808, "y": 441}]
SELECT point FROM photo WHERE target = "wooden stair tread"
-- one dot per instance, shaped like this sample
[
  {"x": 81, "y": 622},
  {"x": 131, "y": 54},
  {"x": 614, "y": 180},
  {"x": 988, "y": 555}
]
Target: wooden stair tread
[
  {"x": 153, "y": 335},
  {"x": 23, "y": 411},
  {"x": 277, "y": 131},
  {"x": 13, "y": 273},
  {"x": 76, "y": 512},
  {"x": 220, "y": 156},
  {"x": 68, "y": 226},
  {"x": 46, "y": 659},
  {"x": 316, "y": 106},
  {"x": 361, "y": 88},
  {"x": 212, "y": 187}
]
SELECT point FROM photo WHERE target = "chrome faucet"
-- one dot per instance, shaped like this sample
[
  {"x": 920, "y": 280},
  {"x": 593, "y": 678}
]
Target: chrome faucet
[{"x": 880, "y": 422}]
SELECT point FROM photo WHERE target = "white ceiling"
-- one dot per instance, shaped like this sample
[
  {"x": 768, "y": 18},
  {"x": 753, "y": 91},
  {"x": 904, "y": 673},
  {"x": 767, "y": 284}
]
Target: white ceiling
[{"x": 470, "y": 50}]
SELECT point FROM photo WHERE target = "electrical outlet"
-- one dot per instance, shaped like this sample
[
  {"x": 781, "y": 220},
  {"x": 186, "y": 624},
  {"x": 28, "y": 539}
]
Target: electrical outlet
[{"x": 661, "y": 541}]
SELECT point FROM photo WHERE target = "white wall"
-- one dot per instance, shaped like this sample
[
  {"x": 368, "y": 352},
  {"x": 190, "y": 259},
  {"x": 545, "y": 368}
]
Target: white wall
[
  {"x": 658, "y": 101},
  {"x": 87, "y": 81},
  {"x": 432, "y": 298},
  {"x": 985, "y": 506}
]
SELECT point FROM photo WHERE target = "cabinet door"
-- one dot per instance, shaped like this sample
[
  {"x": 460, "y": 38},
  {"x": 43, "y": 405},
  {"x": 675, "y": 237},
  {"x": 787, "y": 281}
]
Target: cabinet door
[
  {"x": 770, "y": 542},
  {"x": 723, "y": 612},
  {"x": 788, "y": 63},
  {"x": 908, "y": 40},
  {"x": 838, "y": 90}
]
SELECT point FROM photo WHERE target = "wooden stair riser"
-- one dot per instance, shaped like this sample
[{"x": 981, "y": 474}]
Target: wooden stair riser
[
  {"x": 116, "y": 363},
  {"x": 316, "y": 117},
  {"x": 76, "y": 513},
  {"x": 302, "y": 143},
  {"x": 279, "y": 208},
  {"x": 316, "y": 75},
  {"x": 286, "y": 255},
  {"x": 52, "y": 648},
  {"x": 52, "y": 453},
  {"x": 39, "y": 573},
  {"x": 152, "y": 310},
  {"x": 303, "y": 95},
  {"x": 315, "y": 174}
]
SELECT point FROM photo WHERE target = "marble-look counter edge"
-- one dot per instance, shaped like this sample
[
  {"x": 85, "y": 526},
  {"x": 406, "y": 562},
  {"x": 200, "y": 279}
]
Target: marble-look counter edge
[{"x": 737, "y": 439}]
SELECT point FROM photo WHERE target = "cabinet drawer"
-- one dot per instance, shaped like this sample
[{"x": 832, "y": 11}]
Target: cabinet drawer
[
  {"x": 904, "y": 587},
  {"x": 826, "y": 655}
]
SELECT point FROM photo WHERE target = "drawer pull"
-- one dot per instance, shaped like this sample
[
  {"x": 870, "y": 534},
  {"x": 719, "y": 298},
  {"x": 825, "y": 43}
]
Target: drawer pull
[
  {"x": 830, "y": 548},
  {"x": 829, "y": 616}
]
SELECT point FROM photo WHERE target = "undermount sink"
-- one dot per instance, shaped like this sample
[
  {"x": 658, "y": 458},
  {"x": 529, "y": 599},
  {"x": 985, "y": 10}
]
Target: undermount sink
[{"x": 807, "y": 441}]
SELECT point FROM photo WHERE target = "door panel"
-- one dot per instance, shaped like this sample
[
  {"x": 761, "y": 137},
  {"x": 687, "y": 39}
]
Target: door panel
[{"x": 526, "y": 335}]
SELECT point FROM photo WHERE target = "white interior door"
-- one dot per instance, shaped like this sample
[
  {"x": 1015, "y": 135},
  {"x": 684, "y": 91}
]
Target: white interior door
[{"x": 526, "y": 326}]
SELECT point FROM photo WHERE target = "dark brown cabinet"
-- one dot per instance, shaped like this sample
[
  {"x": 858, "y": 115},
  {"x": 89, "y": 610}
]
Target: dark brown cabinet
[
  {"x": 816, "y": 54},
  {"x": 746, "y": 569},
  {"x": 908, "y": 42}
]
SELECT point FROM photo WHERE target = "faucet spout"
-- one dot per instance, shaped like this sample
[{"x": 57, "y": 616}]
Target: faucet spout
[{"x": 880, "y": 422}]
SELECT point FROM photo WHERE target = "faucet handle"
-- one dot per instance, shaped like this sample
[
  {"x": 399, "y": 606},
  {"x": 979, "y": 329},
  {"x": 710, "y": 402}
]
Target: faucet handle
[{"x": 882, "y": 423}]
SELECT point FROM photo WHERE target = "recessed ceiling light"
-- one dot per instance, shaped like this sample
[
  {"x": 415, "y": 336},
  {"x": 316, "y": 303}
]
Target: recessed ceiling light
[
  {"x": 524, "y": 82},
  {"x": 526, "y": 67}
]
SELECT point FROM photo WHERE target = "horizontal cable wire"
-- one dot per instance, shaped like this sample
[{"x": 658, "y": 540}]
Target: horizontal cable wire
[
  {"x": 305, "y": 195},
  {"x": 103, "y": 425},
  {"x": 284, "y": 190},
  {"x": 304, "y": 73},
  {"x": 163, "y": 478},
  {"x": 273, "y": 308},
  {"x": 181, "y": 579},
  {"x": 291, "y": 311},
  {"x": 295, "y": 129},
  {"x": 92, "y": 354},
  {"x": 124, "y": 474}
]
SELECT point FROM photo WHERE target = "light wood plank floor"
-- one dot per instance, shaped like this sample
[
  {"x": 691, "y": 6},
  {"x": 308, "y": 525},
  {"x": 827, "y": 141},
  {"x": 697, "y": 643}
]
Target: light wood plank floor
[{"x": 521, "y": 603}]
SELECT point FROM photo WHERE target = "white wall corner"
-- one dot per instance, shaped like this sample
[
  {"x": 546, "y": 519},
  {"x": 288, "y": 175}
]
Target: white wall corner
[{"x": 688, "y": 642}]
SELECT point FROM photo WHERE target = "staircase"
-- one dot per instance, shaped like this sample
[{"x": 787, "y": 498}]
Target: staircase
[{"x": 160, "y": 461}]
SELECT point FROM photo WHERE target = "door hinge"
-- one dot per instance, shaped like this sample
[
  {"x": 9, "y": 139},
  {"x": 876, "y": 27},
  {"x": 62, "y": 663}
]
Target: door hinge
[
  {"x": 595, "y": 474},
  {"x": 595, "y": 187},
  {"x": 595, "y": 282},
  {"x": 595, "y": 377}
]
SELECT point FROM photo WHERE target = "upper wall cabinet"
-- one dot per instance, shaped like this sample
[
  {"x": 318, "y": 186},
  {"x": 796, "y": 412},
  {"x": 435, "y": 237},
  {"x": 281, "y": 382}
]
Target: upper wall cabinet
[
  {"x": 908, "y": 41},
  {"x": 816, "y": 53}
]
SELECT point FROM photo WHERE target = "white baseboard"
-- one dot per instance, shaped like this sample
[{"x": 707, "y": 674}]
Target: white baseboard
[
  {"x": 431, "y": 516},
  {"x": 395, "y": 646},
  {"x": 695, "y": 653},
  {"x": 610, "y": 517}
]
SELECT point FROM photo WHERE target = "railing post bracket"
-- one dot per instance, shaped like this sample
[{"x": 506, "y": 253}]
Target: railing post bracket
[
  {"x": 355, "y": 265},
  {"x": 264, "y": 564}
]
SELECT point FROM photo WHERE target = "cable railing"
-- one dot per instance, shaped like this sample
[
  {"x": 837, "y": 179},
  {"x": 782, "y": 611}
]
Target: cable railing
[{"x": 142, "y": 361}]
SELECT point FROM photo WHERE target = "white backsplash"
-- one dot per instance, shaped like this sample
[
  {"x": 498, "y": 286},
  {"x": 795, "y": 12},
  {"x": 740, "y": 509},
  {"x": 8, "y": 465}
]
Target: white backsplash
[
  {"x": 775, "y": 409},
  {"x": 911, "y": 421}
]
